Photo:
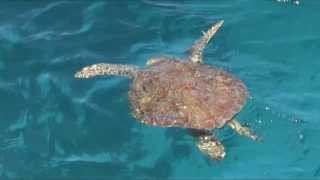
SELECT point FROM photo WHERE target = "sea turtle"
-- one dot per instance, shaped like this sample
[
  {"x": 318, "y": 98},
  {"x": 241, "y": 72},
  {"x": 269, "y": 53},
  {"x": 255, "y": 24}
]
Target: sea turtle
[{"x": 172, "y": 92}]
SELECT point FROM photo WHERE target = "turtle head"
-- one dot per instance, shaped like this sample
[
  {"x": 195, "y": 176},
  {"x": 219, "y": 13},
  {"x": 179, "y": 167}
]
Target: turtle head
[{"x": 155, "y": 60}]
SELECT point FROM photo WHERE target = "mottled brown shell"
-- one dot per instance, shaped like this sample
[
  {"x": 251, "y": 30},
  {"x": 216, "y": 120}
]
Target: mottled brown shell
[{"x": 173, "y": 93}]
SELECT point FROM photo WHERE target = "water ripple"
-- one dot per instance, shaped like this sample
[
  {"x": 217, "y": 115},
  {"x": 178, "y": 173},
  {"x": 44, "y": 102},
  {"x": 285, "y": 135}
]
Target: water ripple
[
  {"x": 97, "y": 158},
  {"x": 9, "y": 33},
  {"x": 34, "y": 13},
  {"x": 55, "y": 125}
]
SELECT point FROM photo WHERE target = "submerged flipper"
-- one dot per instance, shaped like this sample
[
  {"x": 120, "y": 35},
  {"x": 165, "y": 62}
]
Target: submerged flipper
[
  {"x": 242, "y": 130},
  {"x": 197, "y": 49},
  {"x": 107, "y": 69},
  {"x": 208, "y": 144}
]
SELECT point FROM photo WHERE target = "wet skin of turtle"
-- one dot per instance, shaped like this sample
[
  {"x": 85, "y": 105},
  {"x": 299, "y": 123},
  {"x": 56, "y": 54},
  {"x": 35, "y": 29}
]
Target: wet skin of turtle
[{"x": 180, "y": 93}]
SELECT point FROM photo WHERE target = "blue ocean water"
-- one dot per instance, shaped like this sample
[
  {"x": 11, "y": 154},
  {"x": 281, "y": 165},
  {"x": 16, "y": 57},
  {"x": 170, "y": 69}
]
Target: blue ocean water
[{"x": 54, "y": 126}]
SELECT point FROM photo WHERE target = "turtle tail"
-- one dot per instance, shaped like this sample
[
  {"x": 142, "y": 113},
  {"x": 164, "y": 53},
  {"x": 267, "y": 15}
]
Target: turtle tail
[{"x": 107, "y": 69}]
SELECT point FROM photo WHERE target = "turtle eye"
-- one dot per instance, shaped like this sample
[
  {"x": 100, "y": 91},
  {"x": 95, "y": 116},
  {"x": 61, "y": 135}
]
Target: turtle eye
[{"x": 144, "y": 88}]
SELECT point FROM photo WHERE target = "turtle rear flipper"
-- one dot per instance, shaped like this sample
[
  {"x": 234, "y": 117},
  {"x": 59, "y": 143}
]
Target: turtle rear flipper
[
  {"x": 242, "y": 130},
  {"x": 198, "y": 47},
  {"x": 107, "y": 69},
  {"x": 208, "y": 144},
  {"x": 212, "y": 147}
]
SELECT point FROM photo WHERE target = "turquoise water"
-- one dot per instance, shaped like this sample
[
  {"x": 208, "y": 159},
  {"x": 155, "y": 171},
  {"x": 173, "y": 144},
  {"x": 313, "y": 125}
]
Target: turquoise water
[{"x": 55, "y": 126}]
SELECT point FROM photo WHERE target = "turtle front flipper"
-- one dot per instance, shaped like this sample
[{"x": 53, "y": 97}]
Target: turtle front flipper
[
  {"x": 107, "y": 69},
  {"x": 208, "y": 144},
  {"x": 197, "y": 49},
  {"x": 242, "y": 130}
]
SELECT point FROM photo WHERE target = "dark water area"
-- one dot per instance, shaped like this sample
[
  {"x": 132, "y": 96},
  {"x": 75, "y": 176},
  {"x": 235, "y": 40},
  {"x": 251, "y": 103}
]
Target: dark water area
[{"x": 55, "y": 126}]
